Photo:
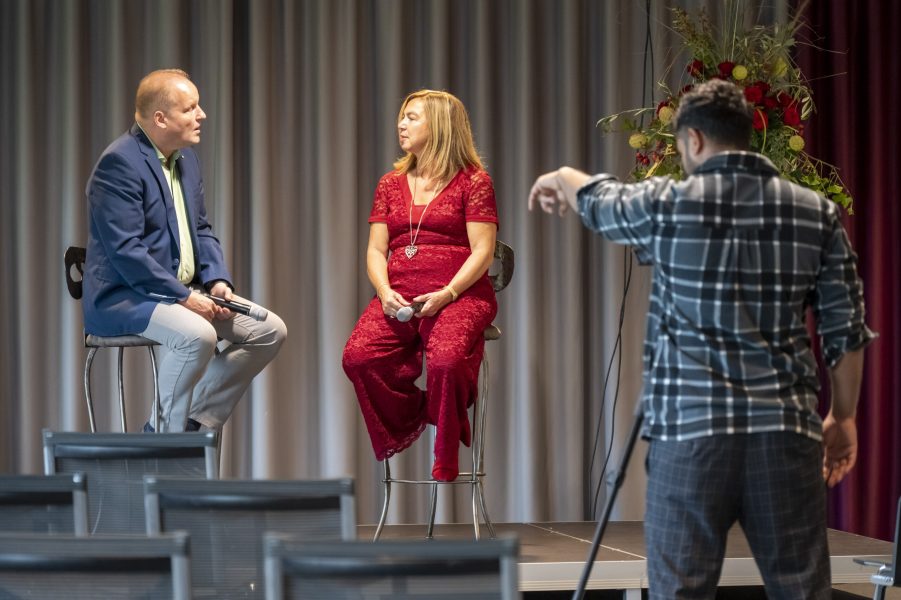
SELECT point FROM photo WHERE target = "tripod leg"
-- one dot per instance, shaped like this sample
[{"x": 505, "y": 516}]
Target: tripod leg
[{"x": 618, "y": 476}]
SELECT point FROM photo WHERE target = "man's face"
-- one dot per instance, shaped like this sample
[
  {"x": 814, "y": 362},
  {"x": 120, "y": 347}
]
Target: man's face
[{"x": 184, "y": 116}]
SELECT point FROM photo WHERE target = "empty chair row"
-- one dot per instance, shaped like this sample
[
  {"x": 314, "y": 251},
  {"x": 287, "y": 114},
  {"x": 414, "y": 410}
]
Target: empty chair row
[
  {"x": 159, "y": 567},
  {"x": 226, "y": 520}
]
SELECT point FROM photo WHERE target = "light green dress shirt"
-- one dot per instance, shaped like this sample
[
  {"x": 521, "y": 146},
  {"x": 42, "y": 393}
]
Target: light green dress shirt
[{"x": 186, "y": 247}]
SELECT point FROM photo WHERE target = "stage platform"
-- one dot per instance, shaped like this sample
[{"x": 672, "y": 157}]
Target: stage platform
[{"x": 552, "y": 554}]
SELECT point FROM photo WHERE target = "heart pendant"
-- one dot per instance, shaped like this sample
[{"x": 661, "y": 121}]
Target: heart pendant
[{"x": 410, "y": 251}]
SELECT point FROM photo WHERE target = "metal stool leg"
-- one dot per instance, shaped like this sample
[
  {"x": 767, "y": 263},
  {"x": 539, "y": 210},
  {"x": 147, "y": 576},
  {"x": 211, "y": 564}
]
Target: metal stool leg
[
  {"x": 478, "y": 454},
  {"x": 156, "y": 391},
  {"x": 487, "y": 519},
  {"x": 121, "y": 391},
  {"x": 87, "y": 388},
  {"x": 433, "y": 506},
  {"x": 387, "y": 500}
]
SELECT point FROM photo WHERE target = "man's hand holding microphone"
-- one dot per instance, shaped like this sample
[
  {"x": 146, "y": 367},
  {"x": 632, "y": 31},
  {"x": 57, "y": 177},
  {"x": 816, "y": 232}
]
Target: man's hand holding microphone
[{"x": 221, "y": 304}]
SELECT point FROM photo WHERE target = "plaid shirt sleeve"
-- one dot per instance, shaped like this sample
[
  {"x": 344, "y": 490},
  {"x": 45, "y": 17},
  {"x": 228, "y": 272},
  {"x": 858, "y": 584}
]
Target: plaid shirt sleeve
[
  {"x": 623, "y": 213},
  {"x": 838, "y": 301}
]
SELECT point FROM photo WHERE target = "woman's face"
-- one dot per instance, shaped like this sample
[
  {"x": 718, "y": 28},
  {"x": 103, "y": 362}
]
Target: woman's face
[{"x": 413, "y": 129}]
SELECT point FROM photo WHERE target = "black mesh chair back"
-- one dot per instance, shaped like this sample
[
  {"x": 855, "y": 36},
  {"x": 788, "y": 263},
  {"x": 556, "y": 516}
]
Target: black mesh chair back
[
  {"x": 433, "y": 569},
  {"x": 126, "y": 567},
  {"x": 50, "y": 504},
  {"x": 115, "y": 465},
  {"x": 227, "y": 520}
]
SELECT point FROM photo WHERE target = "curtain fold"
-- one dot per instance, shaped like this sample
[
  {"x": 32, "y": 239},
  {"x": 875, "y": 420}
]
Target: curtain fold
[{"x": 853, "y": 61}]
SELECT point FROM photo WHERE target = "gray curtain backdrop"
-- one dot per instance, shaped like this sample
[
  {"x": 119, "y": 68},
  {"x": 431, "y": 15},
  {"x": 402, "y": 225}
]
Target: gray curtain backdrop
[{"x": 302, "y": 99}]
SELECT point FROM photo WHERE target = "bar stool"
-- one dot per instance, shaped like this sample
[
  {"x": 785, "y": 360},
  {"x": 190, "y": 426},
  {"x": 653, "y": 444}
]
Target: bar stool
[
  {"x": 503, "y": 255},
  {"x": 75, "y": 257}
]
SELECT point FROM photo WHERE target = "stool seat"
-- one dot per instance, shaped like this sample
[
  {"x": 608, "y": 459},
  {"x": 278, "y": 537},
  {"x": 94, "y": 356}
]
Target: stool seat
[
  {"x": 492, "y": 332},
  {"x": 117, "y": 341}
]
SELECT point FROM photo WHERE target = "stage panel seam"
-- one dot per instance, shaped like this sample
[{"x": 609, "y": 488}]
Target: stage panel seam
[{"x": 620, "y": 550}]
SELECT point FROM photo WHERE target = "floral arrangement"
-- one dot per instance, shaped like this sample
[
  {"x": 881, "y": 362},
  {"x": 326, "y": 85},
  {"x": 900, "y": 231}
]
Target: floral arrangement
[{"x": 759, "y": 61}]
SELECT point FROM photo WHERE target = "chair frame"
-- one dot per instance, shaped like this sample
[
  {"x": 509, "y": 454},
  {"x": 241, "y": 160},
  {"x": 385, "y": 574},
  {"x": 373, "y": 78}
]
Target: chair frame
[
  {"x": 887, "y": 574},
  {"x": 285, "y": 554},
  {"x": 135, "y": 446},
  {"x": 473, "y": 478},
  {"x": 72, "y": 444},
  {"x": 69, "y": 489},
  {"x": 43, "y": 553},
  {"x": 75, "y": 256},
  {"x": 162, "y": 492}
]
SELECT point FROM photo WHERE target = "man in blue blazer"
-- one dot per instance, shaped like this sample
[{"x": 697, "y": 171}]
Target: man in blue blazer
[{"x": 152, "y": 255}]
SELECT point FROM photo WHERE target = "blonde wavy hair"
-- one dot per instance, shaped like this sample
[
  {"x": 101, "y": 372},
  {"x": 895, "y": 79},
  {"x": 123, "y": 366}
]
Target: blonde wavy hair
[{"x": 450, "y": 146}]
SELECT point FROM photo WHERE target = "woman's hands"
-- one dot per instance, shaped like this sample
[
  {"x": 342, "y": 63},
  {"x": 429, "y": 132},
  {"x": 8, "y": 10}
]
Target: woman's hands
[
  {"x": 433, "y": 302},
  {"x": 391, "y": 300}
]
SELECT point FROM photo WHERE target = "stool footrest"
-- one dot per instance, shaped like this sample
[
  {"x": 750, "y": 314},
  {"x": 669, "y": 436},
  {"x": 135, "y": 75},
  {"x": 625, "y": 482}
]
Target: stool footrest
[{"x": 458, "y": 481}]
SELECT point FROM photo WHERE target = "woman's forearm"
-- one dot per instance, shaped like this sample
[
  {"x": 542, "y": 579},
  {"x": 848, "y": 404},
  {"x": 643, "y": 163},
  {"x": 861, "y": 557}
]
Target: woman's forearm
[{"x": 377, "y": 269}]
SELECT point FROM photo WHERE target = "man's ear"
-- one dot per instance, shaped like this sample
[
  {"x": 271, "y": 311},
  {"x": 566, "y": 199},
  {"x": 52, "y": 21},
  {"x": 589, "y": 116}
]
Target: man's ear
[
  {"x": 696, "y": 141},
  {"x": 159, "y": 119}
]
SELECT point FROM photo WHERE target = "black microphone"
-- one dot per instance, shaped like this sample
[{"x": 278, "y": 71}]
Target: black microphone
[
  {"x": 254, "y": 312},
  {"x": 405, "y": 313}
]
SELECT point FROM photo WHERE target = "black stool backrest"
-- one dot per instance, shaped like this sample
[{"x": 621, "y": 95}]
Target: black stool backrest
[
  {"x": 503, "y": 263},
  {"x": 74, "y": 257}
]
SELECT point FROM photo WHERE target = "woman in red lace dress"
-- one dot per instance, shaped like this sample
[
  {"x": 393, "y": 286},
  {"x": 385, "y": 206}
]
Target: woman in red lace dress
[{"x": 431, "y": 240}]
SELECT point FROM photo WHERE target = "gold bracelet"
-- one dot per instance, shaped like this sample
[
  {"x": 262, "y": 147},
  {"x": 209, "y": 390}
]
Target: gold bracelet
[{"x": 453, "y": 292}]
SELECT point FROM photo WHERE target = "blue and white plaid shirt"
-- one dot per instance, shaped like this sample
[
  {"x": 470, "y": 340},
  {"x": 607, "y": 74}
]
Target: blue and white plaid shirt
[{"x": 738, "y": 256}]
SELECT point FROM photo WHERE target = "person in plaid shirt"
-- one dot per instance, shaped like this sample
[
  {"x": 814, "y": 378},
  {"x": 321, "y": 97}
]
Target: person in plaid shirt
[{"x": 730, "y": 391}]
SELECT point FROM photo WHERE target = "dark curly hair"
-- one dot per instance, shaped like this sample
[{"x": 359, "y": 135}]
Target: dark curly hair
[{"x": 720, "y": 111}]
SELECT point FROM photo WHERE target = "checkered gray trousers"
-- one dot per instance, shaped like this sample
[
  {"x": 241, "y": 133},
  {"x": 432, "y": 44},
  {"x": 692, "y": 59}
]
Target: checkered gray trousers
[{"x": 771, "y": 483}]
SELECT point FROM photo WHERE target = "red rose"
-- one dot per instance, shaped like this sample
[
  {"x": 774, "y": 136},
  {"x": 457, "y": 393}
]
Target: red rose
[
  {"x": 790, "y": 116},
  {"x": 761, "y": 121},
  {"x": 784, "y": 99},
  {"x": 764, "y": 86},
  {"x": 770, "y": 102},
  {"x": 753, "y": 94},
  {"x": 695, "y": 68},
  {"x": 725, "y": 68}
]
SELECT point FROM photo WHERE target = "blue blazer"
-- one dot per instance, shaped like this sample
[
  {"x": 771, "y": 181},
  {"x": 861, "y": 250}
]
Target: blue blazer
[{"x": 133, "y": 248}]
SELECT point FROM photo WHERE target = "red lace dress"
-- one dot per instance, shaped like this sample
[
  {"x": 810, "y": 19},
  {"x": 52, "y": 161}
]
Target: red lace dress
[{"x": 383, "y": 357}]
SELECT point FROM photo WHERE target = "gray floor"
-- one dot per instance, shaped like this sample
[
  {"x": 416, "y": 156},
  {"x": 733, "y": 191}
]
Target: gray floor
[{"x": 552, "y": 556}]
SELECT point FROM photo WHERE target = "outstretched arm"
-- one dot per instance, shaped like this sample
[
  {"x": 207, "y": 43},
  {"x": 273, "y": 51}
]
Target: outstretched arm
[{"x": 557, "y": 188}]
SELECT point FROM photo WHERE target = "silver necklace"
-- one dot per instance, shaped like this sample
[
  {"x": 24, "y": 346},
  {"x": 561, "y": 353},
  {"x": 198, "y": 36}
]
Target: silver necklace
[{"x": 411, "y": 249}]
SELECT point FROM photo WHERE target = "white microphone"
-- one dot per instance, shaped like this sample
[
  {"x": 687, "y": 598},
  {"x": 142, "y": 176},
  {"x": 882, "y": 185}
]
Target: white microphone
[
  {"x": 257, "y": 313},
  {"x": 405, "y": 313}
]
